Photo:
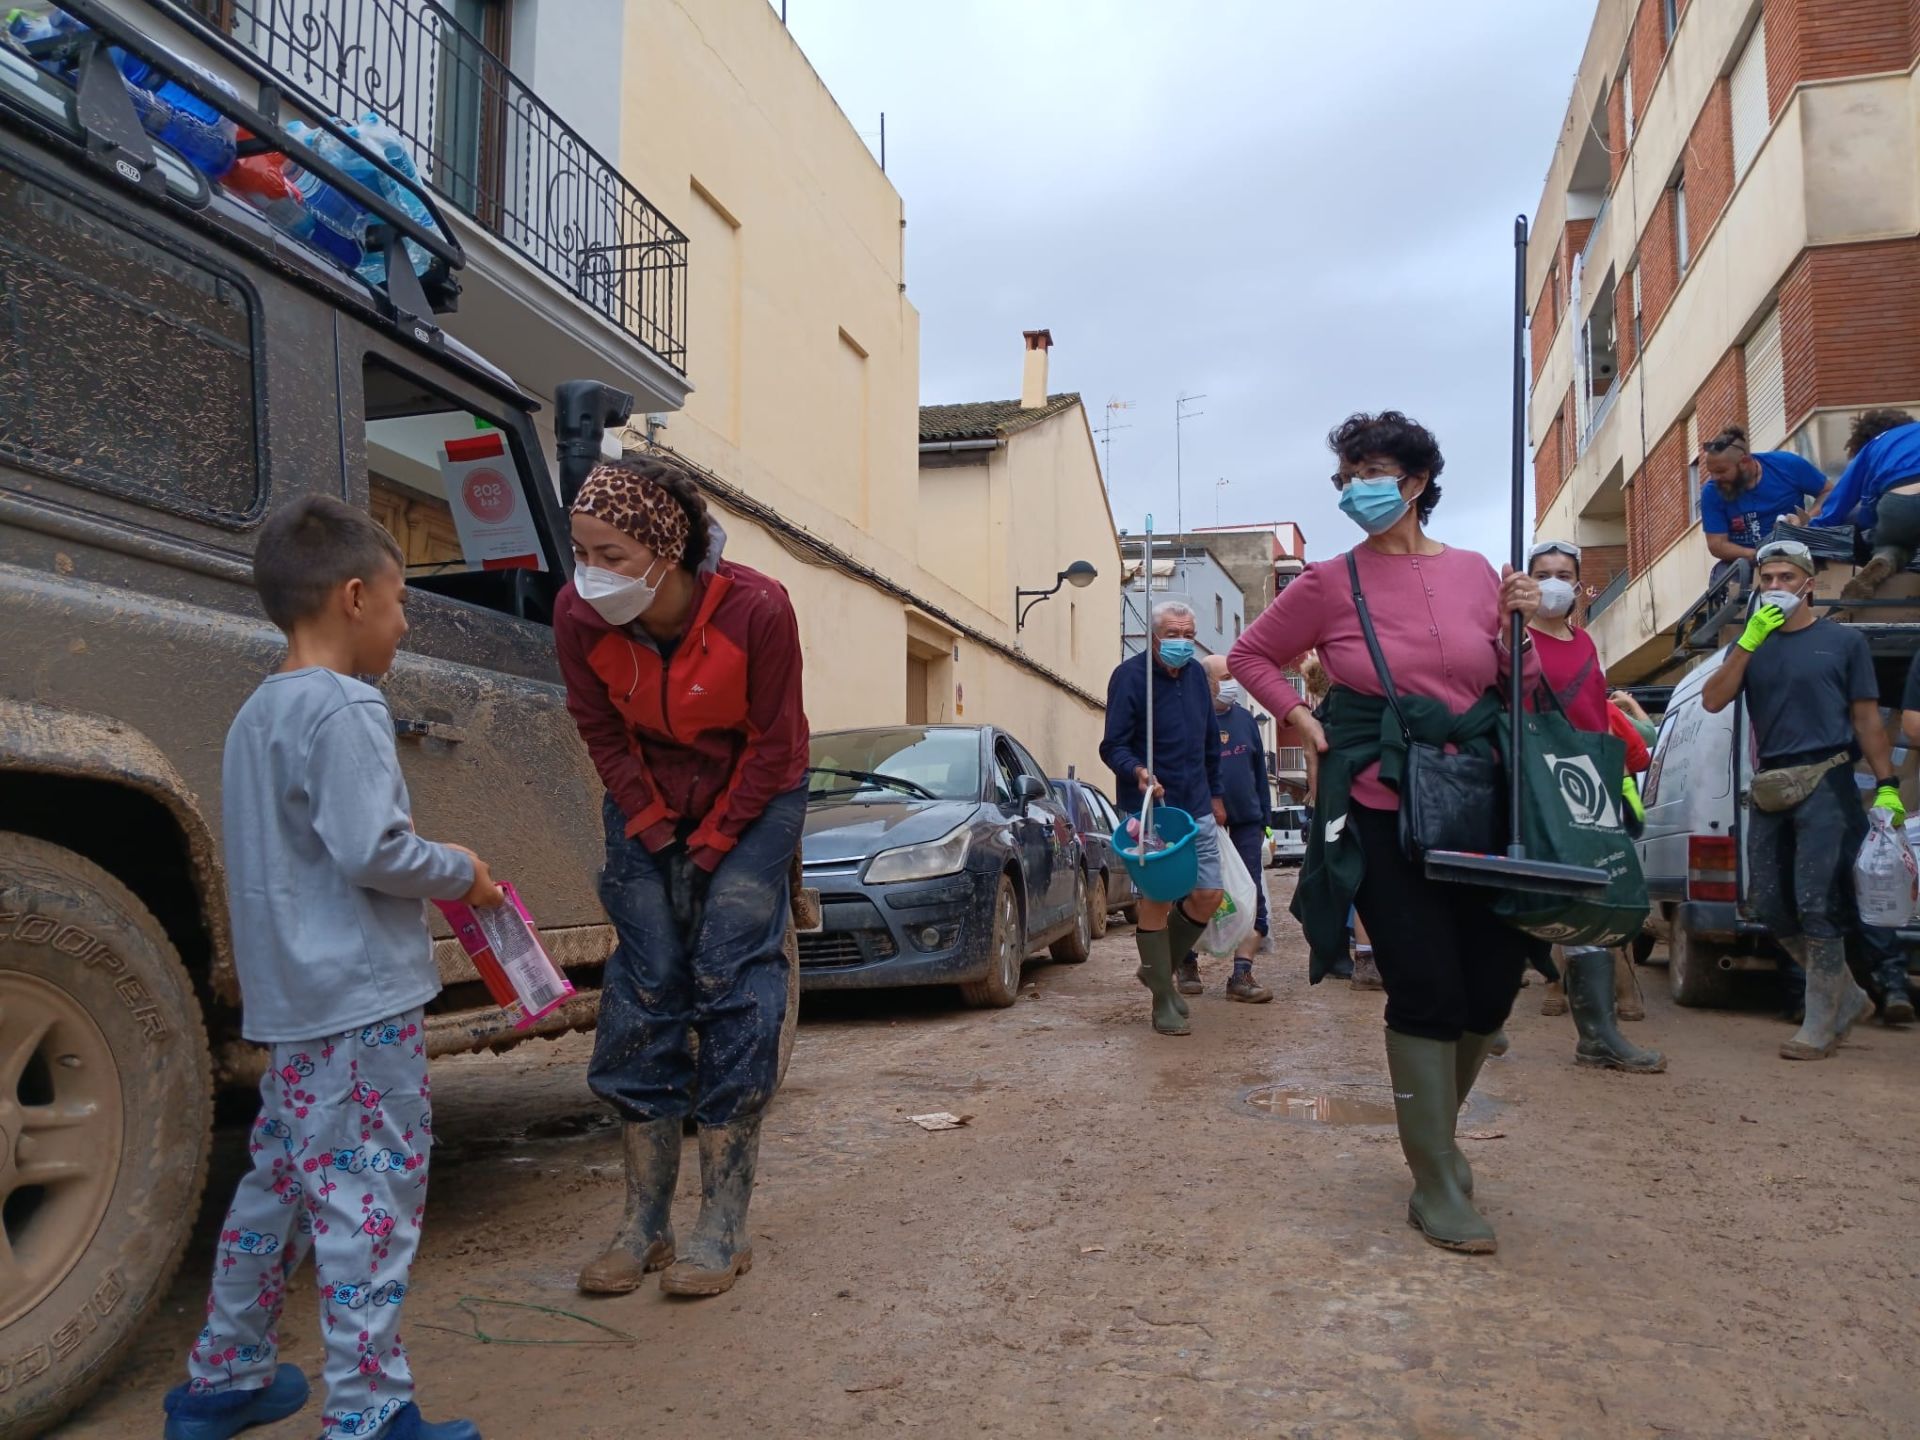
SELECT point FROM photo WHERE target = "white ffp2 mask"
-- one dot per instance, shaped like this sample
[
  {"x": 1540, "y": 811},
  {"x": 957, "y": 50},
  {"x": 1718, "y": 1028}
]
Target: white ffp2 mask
[
  {"x": 619, "y": 599},
  {"x": 1556, "y": 598}
]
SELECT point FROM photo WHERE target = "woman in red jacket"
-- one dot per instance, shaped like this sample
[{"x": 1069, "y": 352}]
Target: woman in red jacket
[
  {"x": 1570, "y": 666},
  {"x": 683, "y": 676}
]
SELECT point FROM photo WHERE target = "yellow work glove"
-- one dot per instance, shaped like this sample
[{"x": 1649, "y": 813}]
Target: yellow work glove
[
  {"x": 1887, "y": 797},
  {"x": 1766, "y": 620},
  {"x": 1631, "y": 792}
]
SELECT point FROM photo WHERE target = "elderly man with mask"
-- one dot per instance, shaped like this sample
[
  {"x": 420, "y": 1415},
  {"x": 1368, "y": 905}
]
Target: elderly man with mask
[
  {"x": 1814, "y": 704},
  {"x": 1186, "y": 775},
  {"x": 1248, "y": 801}
]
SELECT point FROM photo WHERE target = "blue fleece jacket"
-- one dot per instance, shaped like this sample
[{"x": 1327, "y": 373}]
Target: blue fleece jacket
[
  {"x": 1186, "y": 746},
  {"x": 1243, "y": 767}
]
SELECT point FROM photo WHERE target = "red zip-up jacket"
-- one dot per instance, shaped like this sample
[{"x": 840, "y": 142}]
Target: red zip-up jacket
[{"x": 710, "y": 735}]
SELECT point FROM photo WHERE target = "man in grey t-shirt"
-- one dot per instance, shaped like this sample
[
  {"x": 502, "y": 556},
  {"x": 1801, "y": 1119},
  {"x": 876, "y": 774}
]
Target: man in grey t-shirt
[{"x": 1815, "y": 708}]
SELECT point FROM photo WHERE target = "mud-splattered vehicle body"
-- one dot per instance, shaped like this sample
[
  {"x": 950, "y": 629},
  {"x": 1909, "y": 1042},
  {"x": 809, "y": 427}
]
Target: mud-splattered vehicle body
[{"x": 171, "y": 368}]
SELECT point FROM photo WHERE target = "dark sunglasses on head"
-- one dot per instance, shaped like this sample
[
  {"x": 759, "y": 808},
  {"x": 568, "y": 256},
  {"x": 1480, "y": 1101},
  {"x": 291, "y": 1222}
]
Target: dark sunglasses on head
[{"x": 1718, "y": 447}]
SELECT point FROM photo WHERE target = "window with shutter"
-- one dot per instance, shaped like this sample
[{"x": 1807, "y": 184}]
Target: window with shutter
[
  {"x": 1683, "y": 251},
  {"x": 1766, "y": 387},
  {"x": 1693, "y": 468},
  {"x": 1626, "y": 95},
  {"x": 1751, "y": 117}
]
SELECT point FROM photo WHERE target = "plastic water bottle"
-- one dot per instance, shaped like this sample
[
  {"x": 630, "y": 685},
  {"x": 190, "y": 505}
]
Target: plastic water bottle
[
  {"x": 27, "y": 26},
  {"x": 386, "y": 141},
  {"x": 177, "y": 117},
  {"x": 262, "y": 182},
  {"x": 335, "y": 225}
]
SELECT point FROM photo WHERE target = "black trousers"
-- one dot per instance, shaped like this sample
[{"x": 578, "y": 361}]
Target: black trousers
[{"x": 1450, "y": 965}]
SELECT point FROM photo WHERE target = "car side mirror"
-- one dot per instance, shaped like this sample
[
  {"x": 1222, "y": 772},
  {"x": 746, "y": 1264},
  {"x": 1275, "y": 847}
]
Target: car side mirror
[{"x": 1029, "y": 788}]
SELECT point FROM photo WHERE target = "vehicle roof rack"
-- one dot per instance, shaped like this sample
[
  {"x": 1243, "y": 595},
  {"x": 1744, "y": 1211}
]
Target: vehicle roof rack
[{"x": 116, "y": 141}]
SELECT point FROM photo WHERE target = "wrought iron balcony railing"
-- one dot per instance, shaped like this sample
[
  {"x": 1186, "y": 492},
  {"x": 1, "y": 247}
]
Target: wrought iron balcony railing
[{"x": 482, "y": 139}]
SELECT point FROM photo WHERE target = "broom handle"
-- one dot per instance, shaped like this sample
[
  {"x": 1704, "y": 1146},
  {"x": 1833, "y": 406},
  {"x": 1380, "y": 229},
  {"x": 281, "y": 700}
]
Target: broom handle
[
  {"x": 1517, "y": 633},
  {"x": 1148, "y": 691}
]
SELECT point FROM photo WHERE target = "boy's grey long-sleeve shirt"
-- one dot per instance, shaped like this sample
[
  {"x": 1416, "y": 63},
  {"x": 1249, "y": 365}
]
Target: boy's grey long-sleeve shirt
[{"x": 325, "y": 877}]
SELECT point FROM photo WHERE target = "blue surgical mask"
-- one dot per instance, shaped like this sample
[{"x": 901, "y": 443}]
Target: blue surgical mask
[
  {"x": 1175, "y": 653},
  {"x": 1374, "y": 505}
]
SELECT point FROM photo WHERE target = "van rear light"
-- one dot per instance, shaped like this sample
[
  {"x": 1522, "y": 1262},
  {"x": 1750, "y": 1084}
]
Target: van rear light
[{"x": 1713, "y": 868}]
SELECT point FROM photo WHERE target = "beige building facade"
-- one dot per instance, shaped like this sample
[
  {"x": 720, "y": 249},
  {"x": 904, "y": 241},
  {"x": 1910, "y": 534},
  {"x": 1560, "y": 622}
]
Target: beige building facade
[{"x": 1729, "y": 234}]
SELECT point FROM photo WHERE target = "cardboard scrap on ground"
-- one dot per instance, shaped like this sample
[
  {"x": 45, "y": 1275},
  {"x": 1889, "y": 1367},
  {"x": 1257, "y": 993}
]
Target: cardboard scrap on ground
[
  {"x": 1486, "y": 1134},
  {"x": 940, "y": 1120}
]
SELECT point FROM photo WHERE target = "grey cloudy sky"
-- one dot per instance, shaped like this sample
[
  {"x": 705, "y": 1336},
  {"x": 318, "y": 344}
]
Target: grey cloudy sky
[{"x": 1297, "y": 208}]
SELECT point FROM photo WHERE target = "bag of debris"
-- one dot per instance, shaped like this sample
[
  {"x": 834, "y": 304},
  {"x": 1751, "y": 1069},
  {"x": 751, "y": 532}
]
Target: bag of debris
[
  {"x": 1886, "y": 882},
  {"x": 1233, "y": 921}
]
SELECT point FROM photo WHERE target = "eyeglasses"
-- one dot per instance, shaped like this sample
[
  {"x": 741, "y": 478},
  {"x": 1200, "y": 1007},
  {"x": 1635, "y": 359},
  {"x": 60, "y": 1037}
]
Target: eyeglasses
[
  {"x": 1340, "y": 482},
  {"x": 1718, "y": 447}
]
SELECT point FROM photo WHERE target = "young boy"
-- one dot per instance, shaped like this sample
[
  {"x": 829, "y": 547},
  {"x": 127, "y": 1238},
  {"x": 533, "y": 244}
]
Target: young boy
[{"x": 327, "y": 881}]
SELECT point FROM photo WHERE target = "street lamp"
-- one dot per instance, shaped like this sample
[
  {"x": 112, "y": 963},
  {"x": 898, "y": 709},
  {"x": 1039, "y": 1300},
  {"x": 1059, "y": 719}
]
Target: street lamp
[{"x": 1079, "y": 575}]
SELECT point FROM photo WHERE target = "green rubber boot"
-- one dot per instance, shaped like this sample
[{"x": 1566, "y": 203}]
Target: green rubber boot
[
  {"x": 1156, "y": 973},
  {"x": 1835, "y": 1001},
  {"x": 1468, "y": 1056},
  {"x": 1426, "y": 1105},
  {"x": 1591, "y": 994}
]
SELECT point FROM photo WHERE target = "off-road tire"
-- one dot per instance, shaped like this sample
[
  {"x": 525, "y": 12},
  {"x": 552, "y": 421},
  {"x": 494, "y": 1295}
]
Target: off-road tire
[
  {"x": 1098, "y": 910},
  {"x": 77, "y": 946},
  {"x": 1000, "y": 987},
  {"x": 1694, "y": 975},
  {"x": 1076, "y": 945}
]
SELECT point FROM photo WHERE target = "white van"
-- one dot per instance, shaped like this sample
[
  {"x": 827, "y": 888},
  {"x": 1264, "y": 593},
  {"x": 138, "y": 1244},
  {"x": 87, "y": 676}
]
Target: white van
[
  {"x": 1693, "y": 849},
  {"x": 1289, "y": 835}
]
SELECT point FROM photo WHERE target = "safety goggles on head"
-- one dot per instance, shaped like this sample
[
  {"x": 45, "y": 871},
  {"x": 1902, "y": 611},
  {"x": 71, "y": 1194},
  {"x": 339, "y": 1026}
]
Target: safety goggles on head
[
  {"x": 1791, "y": 551},
  {"x": 1718, "y": 447},
  {"x": 1554, "y": 547}
]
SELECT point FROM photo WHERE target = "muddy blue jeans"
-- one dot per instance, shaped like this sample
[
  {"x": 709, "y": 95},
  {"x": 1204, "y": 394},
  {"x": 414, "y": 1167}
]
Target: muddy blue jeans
[{"x": 697, "y": 954}]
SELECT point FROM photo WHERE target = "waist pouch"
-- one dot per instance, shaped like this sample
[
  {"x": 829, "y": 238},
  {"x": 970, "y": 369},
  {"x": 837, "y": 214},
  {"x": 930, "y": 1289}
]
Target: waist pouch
[{"x": 1786, "y": 786}]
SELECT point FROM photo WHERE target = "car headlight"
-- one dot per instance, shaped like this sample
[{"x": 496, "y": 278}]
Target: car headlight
[{"x": 923, "y": 862}]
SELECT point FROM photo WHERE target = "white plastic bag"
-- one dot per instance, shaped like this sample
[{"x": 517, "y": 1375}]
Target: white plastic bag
[
  {"x": 1233, "y": 921},
  {"x": 1886, "y": 881}
]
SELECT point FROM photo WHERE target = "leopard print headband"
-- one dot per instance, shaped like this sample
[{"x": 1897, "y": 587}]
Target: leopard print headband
[{"x": 635, "y": 505}]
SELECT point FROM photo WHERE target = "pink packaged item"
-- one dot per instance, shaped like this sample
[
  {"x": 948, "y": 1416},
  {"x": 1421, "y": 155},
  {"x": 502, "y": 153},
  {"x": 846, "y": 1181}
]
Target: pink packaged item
[{"x": 505, "y": 948}]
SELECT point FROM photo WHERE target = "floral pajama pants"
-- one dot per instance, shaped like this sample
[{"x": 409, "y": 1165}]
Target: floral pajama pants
[{"x": 339, "y": 1168}]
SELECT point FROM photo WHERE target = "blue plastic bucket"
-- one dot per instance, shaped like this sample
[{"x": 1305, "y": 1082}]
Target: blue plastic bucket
[{"x": 1168, "y": 874}]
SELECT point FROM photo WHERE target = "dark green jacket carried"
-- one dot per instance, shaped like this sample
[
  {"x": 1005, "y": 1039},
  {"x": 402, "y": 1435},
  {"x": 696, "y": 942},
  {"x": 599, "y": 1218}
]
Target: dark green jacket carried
[{"x": 1361, "y": 729}]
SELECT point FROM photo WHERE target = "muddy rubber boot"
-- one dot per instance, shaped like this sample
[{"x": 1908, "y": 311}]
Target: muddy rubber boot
[
  {"x": 1187, "y": 977},
  {"x": 1627, "y": 1001},
  {"x": 1554, "y": 1002},
  {"x": 1244, "y": 988},
  {"x": 1868, "y": 579},
  {"x": 1469, "y": 1056},
  {"x": 1425, "y": 1107},
  {"x": 1366, "y": 974},
  {"x": 1835, "y": 1001},
  {"x": 1590, "y": 989},
  {"x": 1156, "y": 973},
  {"x": 719, "y": 1250},
  {"x": 1896, "y": 1001},
  {"x": 227, "y": 1412},
  {"x": 406, "y": 1424},
  {"x": 645, "y": 1241}
]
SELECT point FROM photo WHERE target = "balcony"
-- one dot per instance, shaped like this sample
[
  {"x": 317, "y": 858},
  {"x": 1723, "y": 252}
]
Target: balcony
[{"x": 487, "y": 145}]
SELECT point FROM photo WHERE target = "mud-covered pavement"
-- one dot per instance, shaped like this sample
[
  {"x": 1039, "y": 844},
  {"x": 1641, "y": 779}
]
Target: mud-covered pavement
[{"x": 1118, "y": 1244}]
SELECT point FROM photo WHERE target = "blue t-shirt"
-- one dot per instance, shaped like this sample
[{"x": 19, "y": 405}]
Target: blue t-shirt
[
  {"x": 1785, "y": 480},
  {"x": 1889, "y": 459}
]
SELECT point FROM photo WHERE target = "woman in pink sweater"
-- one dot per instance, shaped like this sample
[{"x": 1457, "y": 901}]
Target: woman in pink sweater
[{"x": 1451, "y": 967}]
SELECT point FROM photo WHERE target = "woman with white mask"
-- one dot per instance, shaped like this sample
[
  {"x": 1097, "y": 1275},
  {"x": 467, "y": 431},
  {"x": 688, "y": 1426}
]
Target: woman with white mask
[
  {"x": 683, "y": 676},
  {"x": 1570, "y": 667}
]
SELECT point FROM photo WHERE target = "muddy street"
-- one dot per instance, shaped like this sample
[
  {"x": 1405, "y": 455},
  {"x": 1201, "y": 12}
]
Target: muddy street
[{"x": 1133, "y": 1235}]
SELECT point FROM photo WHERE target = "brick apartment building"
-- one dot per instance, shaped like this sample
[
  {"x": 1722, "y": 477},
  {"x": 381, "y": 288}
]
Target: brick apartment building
[{"x": 1729, "y": 234}]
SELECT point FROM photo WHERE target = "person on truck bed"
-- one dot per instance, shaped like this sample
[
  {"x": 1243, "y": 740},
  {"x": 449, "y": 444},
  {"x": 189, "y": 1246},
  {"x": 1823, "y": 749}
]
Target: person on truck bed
[
  {"x": 683, "y": 676},
  {"x": 1570, "y": 667},
  {"x": 1879, "y": 494},
  {"x": 1440, "y": 616},
  {"x": 1814, "y": 705},
  {"x": 1743, "y": 494}
]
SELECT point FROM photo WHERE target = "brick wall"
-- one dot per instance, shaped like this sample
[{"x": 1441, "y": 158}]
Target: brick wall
[
  {"x": 1548, "y": 477},
  {"x": 1722, "y": 400},
  {"x": 1646, "y": 48},
  {"x": 1850, "y": 326},
  {"x": 1598, "y": 565},
  {"x": 1659, "y": 264},
  {"x": 1623, "y": 323},
  {"x": 1709, "y": 164},
  {"x": 1544, "y": 320},
  {"x": 1824, "y": 39},
  {"x": 1572, "y": 241},
  {"x": 1616, "y": 131},
  {"x": 1657, "y": 503}
]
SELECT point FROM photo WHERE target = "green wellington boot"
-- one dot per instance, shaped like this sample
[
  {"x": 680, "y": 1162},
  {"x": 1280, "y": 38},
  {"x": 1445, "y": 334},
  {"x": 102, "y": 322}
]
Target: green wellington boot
[
  {"x": 1590, "y": 992},
  {"x": 645, "y": 1240},
  {"x": 1468, "y": 1057},
  {"x": 1835, "y": 1001},
  {"x": 1156, "y": 973},
  {"x": 719, "y": 1250},
  {"x": 1183, "y": 933},
  {"x": 1426, "y": 1106}
]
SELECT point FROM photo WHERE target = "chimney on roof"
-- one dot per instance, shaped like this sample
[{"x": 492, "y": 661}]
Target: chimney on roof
[{"x": 1033, "y": 383}]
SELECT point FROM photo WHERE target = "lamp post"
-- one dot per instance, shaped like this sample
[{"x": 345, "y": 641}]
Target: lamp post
[{"x": 1079, "y": 575}]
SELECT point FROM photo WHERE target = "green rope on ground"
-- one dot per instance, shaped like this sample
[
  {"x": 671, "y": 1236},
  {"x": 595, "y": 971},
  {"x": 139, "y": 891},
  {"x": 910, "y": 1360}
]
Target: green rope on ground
[{"x": 466, "y": 1306}]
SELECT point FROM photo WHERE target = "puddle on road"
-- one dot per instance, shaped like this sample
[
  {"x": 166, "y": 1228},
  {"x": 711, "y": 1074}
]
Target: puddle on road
[{"x": 1333, "y": 1105}]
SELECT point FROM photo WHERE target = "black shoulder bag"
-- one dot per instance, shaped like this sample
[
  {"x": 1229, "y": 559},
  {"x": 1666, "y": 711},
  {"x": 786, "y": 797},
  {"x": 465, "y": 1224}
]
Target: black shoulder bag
[{"x": 1448, "y": 801}]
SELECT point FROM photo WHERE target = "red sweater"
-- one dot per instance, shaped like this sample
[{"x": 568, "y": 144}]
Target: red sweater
[{"x": 710, "y": 735}]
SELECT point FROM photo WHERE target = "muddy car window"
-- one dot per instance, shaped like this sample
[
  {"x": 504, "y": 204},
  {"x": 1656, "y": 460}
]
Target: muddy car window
[
  {"x": 447, "y": 484},
  {"x": 124, "y": 366}
]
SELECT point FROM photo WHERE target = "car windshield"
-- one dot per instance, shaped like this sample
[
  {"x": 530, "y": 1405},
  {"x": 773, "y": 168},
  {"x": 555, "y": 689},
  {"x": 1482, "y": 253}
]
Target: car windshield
[{"x": 883, "y": 764}]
